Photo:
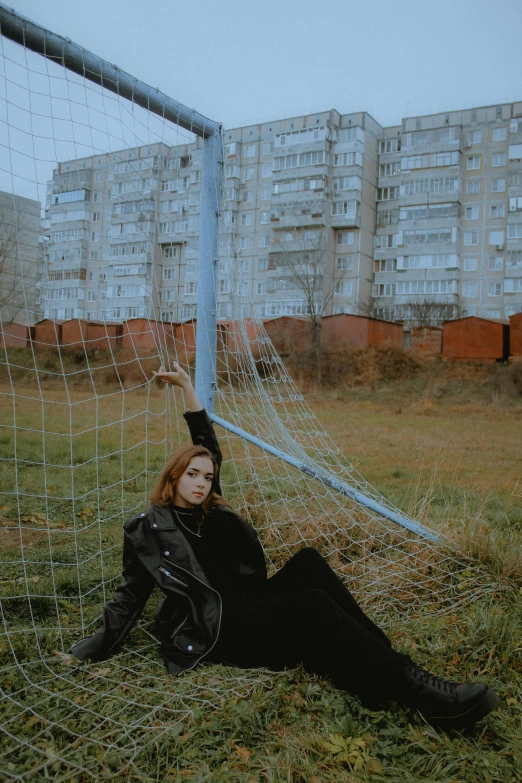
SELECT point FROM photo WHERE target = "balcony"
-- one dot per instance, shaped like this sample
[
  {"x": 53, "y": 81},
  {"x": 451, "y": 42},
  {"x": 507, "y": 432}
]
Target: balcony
[
  {"x": 415, "y": 188},
  {"x": 435, "y": 140},
  {"x": 346, "y": 221},
  {"x": 295, "y": 214},
  {"x": 73, "y": 180}
]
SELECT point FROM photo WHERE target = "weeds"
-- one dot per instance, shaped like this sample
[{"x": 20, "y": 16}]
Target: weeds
[{"x": 126, "y": 720}]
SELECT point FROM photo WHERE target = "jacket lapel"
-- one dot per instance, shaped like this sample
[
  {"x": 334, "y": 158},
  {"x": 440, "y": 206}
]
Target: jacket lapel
[{"x": 179, "y": 548}]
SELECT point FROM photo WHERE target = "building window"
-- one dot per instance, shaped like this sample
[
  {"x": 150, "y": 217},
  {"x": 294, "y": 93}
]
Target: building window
[
  {"x": 268, "y": 147},
  {"x": 222, "y": 310},
  {"x": 493, "y": 313},
  {"x": 261, "y": 287},
  {"x": 495, "y": 263},
  {"x": 91, "y": 296},
  {"x": 248, "y": 174},
  {"x": 265, "y": 217},
  {"x": 169, "y": 251},
  {"x": 385, "y": 240},
  {"x": 345, "y": 237},
  {"x": 515, "y": 231},
  {"x": 191, "y": 287},
  {"x": 474, "y": 137},
  {"x": 266, "y": 194},
  {"x": 498, "y": 159},
  {"x": 513, "y": 285},
  {"x": 389, "y": 145},
  {"x": 344, "y": 263},
  {"x": 249, "y": 151},
  {"x": 473, "y": 162},
  {"x": 169, "y": 272},
  {"x": 471, "y": 238},
  {"x": 472, "y": 213},
  {"x": 263, "y": 241},
  {"x": 497, "y": 210},
  {"x": 343, "y": 287},
  {"x": 385, "y": 265},
  {"x": 383, "y": 289},
  {"x": 494, "y": 289},
  {"x": 387, "y": 194},
  {"x": 95, "y": 236},
  {"x": 499, "y": 134},
  {"x": 262, "y": 264},
  {"x": 246, "y": 219},
  {"x": 266, "y": 171},
  {"x": 470, "y": 264},
  {"x": 189, "y": 311},
  {"x": 246, "y": 198},
  {"x": 222, "y": 286},
  {"x": 99, "y": 176},
  {"x": 496, "y": 237},
  {"x": 244, "y": 243},
  {"x": 389, "y": 169},
  {"x": 498, "y": 185},
  {"x": 473, "y": 187},
  {"x": 469, "y": 290}
]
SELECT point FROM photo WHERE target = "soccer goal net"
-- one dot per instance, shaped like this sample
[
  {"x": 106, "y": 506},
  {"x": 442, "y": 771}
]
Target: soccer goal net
[{"x": 109, "y": 200}]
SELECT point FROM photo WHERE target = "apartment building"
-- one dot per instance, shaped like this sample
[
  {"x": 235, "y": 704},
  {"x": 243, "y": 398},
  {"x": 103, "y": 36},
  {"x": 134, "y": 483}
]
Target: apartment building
[
  {"x": 20, "y": 256},
  {"x": 364, "y": 219},
  {"x": 298, "y": 212},
  {"x": 449, "y": 216}
]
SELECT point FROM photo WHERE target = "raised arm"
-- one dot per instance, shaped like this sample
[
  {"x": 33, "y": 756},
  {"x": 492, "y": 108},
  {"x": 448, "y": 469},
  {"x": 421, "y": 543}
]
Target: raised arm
[{"x": 199, "y": 424}]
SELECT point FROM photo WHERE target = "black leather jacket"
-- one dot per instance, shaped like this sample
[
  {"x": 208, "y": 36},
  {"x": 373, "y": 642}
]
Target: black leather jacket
[{"x": 155, "y": 552}]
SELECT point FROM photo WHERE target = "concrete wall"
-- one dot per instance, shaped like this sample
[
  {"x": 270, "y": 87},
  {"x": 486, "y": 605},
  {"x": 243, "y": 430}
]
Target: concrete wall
[{"x": 426, "y": 340}]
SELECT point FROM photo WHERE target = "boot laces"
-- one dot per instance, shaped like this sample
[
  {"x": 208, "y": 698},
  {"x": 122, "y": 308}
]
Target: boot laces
[{"x": 423, "y": 677}]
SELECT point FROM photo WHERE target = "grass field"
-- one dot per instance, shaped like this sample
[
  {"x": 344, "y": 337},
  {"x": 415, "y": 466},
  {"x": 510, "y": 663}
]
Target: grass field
[{"x": 449, "y": 457}]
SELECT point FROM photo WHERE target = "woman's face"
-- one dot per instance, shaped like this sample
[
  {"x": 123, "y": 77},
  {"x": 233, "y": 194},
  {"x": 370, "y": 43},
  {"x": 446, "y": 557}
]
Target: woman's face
[{"x": 195, "y": 483}]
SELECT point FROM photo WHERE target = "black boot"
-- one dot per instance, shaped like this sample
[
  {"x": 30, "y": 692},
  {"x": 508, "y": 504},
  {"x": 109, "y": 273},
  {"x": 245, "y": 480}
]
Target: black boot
[{"x": 446, "y": 704}]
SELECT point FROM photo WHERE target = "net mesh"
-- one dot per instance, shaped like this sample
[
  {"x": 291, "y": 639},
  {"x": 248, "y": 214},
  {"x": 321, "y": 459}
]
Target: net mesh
[{"x": 99, "y": 214}]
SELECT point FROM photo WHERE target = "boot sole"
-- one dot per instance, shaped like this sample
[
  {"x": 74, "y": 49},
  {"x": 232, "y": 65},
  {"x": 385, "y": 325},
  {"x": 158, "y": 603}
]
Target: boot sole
[{"x": 468, "y": 718}]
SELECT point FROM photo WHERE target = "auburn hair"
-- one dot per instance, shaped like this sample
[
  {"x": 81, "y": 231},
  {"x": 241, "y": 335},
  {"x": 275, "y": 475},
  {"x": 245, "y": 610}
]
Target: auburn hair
[{"x": 165, "y": 490}]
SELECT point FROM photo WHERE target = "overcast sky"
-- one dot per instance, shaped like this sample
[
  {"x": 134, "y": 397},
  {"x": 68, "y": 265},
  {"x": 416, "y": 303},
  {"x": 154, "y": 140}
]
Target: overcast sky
[{"x": 245, "y": 61}]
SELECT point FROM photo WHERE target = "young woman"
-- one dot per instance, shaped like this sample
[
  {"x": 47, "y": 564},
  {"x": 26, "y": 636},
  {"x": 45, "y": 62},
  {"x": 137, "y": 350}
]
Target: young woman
[{"x": 219, "y": 605}]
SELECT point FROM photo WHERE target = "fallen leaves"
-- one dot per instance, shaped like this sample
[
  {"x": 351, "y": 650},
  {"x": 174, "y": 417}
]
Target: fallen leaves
[{"x": 243, "y": 753}]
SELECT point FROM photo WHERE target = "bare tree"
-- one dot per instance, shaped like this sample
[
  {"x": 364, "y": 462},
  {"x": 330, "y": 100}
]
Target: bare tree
[
  {"x": 428, "y": 311},
  {"x": 305, "y": 265}
]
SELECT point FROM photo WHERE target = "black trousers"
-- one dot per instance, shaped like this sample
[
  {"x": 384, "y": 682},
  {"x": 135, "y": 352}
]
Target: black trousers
[{"x": 306, "y": 615}]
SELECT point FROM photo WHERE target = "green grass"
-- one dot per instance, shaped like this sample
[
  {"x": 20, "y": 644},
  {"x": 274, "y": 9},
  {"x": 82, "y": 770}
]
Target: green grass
[{"x": 126, "y": 720}]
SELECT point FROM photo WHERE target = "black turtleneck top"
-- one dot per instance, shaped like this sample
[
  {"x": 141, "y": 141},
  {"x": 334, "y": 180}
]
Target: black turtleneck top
[{"x": 227, "y": 550}]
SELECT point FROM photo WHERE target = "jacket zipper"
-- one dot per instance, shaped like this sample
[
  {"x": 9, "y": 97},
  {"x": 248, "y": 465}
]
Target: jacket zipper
[
  {"x": 220, "y": 609},
  {"x": 174, "y": 579}
]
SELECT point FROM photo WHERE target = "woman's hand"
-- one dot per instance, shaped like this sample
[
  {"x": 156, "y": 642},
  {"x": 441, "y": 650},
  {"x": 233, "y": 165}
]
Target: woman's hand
[{"x": 176, "y": 377}]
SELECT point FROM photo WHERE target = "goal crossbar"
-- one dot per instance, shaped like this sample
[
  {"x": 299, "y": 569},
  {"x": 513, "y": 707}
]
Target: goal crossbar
[{"x": 65, "y": 52}]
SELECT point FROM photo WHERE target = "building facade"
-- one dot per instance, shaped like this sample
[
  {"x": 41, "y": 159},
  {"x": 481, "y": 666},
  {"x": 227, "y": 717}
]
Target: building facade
[
  {"x": 419, "y": 222},
  {"x": 21, "y": 253}
]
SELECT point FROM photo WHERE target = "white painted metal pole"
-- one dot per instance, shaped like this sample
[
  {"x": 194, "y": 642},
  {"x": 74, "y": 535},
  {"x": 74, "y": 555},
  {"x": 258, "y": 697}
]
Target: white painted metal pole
[{"x": 206, "y": 335}]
